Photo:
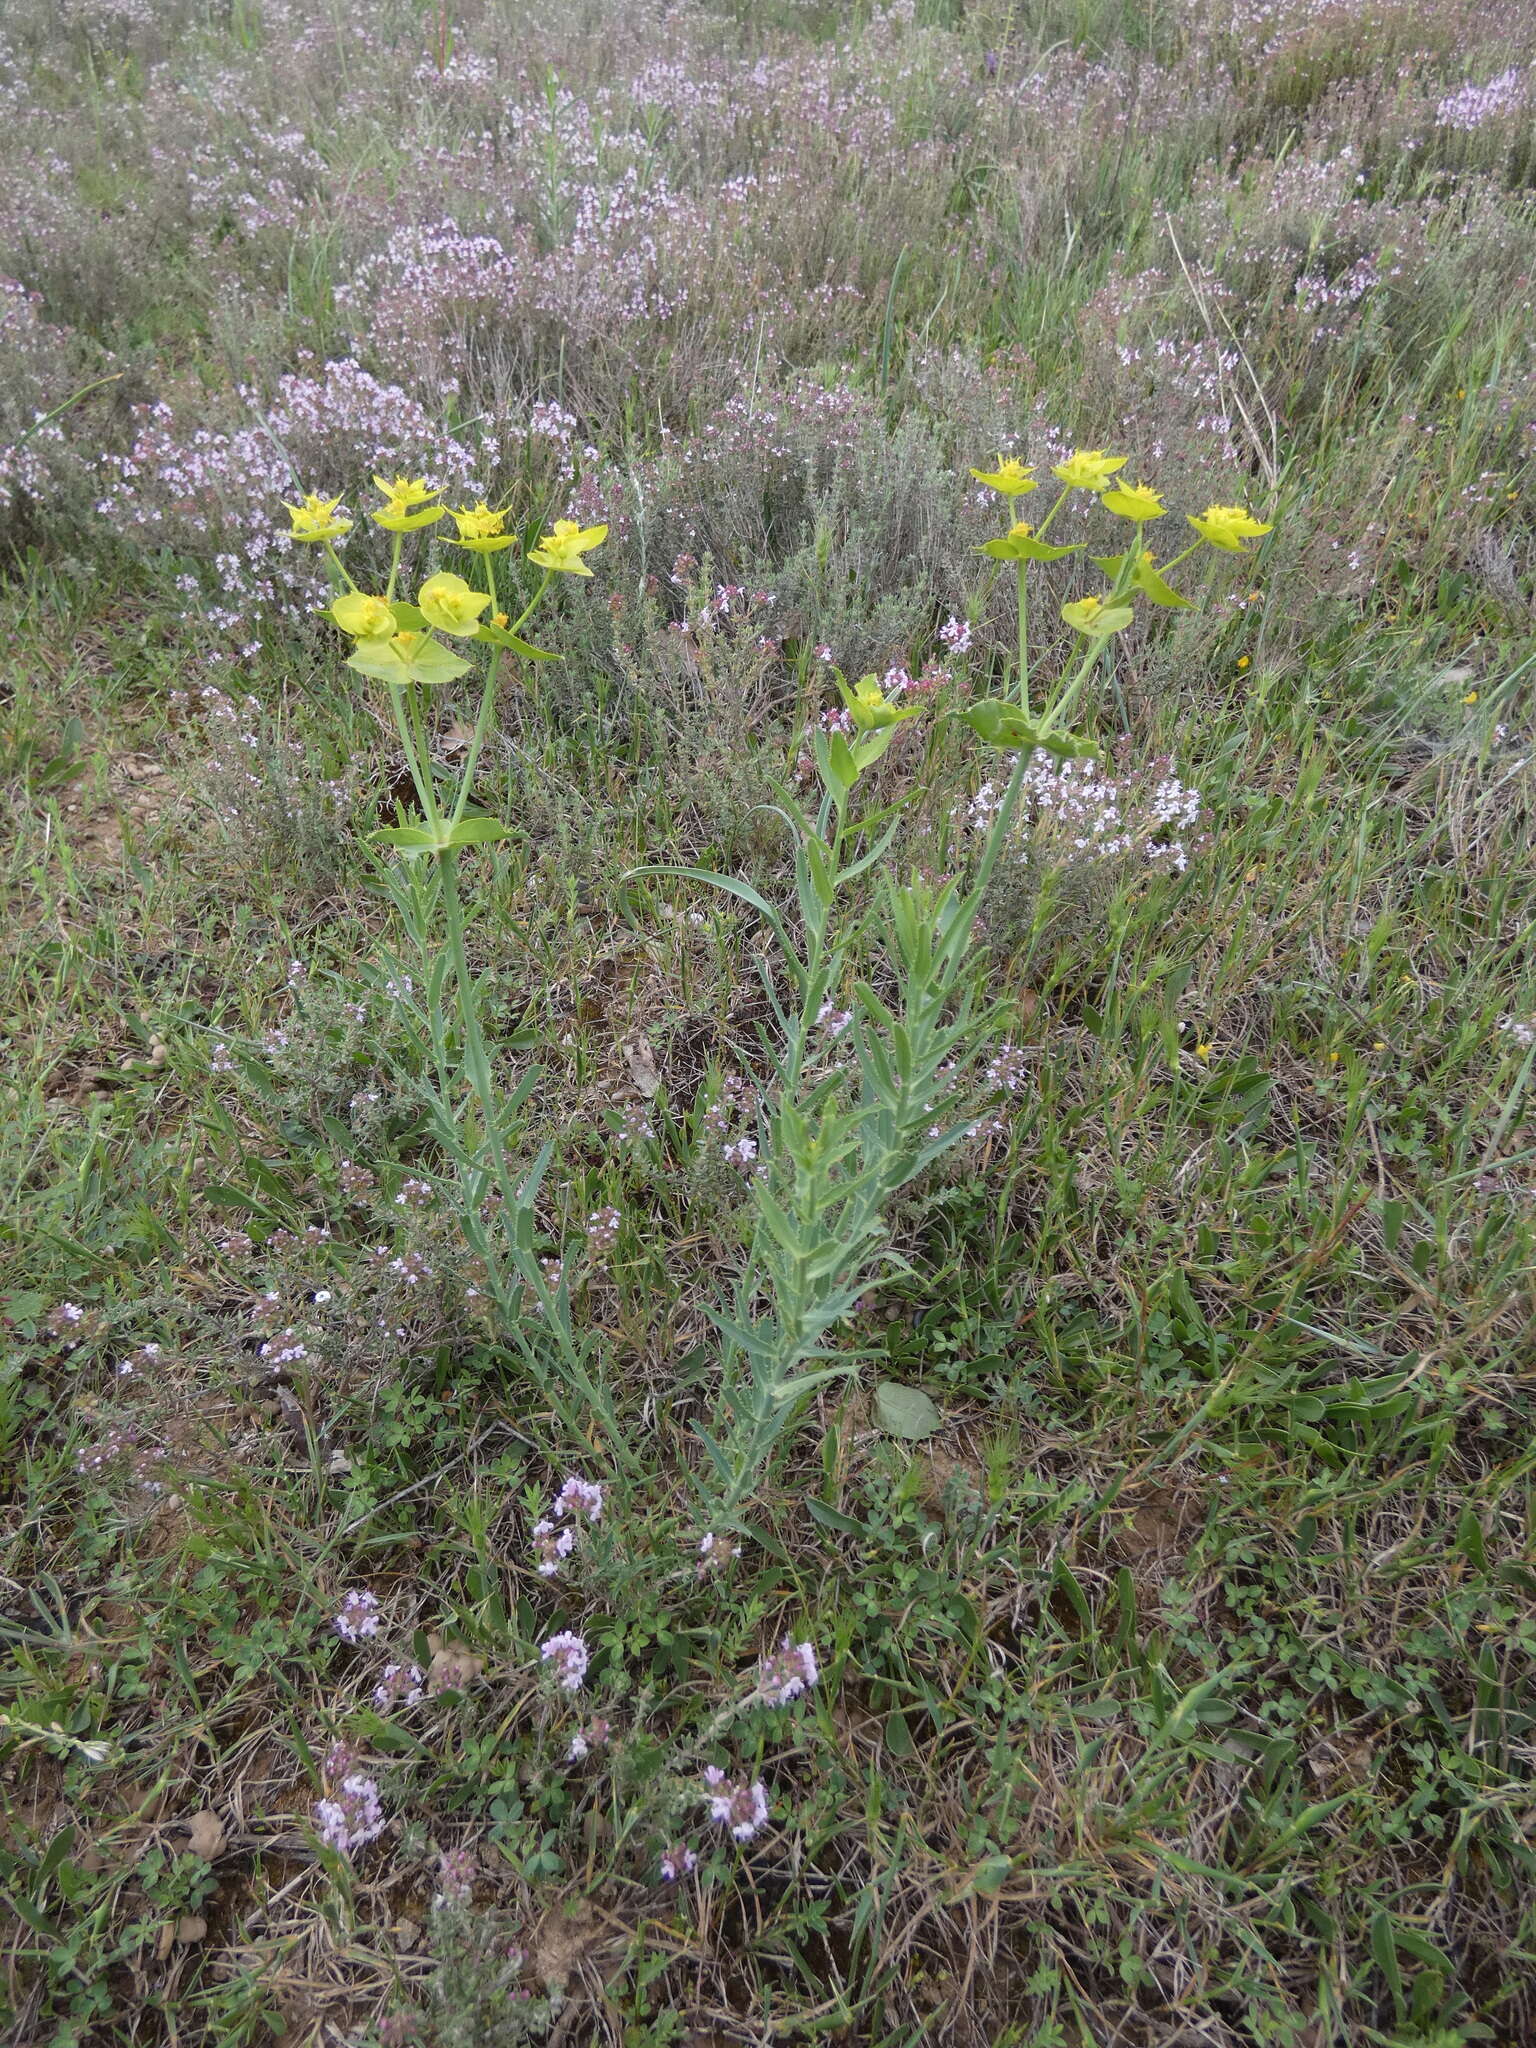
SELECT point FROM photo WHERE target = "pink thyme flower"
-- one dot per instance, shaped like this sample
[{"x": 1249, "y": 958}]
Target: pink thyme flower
[
  {"x": 594, "y": 1736},
  {"x": 715, "y": 1552},
  {"x": 677, "y": 1862},
  {"x": 456, "y": 1872},
  {"x": 550, "y": 1546},
  {"x": 579, "y": 1497},
  {"x": 353, "y": 1817},
  {"x": 741, "y": 1807},
  {"x": 567, "y": 1656},
  {"x": 786, "y": 1674},
  {"x": 359, "y": 1615},
  {"x": 400, "y": 1685}
]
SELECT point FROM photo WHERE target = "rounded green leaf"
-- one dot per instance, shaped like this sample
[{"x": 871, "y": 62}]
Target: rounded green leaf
[{"x": 905, "y": 1411}]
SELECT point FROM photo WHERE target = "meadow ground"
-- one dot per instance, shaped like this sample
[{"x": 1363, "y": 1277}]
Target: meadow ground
[{"x": 724, "y": 1476}]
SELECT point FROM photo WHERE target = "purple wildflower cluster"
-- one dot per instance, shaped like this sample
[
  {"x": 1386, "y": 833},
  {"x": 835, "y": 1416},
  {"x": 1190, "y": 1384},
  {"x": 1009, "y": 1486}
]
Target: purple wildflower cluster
[
  {"x": 566, "y": 1655},
  {"x": 359, "y": 1616},
  {"x": 555, "y": 1534},
  {"x": 350, "y": 1815},
  {"x": 787, "y": 1673},
  {"x": 735, "y": 1803},
  {"x": 1473, "y": 106}
]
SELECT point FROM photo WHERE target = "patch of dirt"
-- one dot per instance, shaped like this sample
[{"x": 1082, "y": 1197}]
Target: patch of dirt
[
  {"x": 140, "y": 790},
  {"x": 1152, "y": 1537}
]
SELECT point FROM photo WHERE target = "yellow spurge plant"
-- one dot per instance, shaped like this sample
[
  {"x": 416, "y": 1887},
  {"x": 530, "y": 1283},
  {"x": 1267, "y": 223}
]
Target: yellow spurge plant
[
  {"x": 400, "y": 643},
  {"x": 1133, "y": 573},
  {"x": 396, "y": 643},
  {"x": 448, "y": 603},
  {"x": 364, "y": 617},
  {"x": 838, "y": 1156},
  {"x": 315, "y": 519},
  {"x": 1227, "y": 527},
  {"x": 1134, "y": 501},
  {"x": 1088, "y": 469}
]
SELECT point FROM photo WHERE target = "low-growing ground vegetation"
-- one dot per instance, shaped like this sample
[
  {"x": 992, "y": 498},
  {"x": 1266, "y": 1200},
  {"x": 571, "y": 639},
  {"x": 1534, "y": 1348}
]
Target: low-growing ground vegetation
[{"x": 860, "y": 1370}]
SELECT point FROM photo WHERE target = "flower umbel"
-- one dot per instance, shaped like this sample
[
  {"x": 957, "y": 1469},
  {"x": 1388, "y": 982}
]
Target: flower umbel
[
  {"x": 563, "y": 547},
  {"x": 316, "y": 519},
  {"x": 359, "y": 1615},
  {"x": 787, "y": 1673},
  {"x": 353, "y": 1817},
  {"x": 1011, "y": 478},
  {"x": 407, "y": 504},
  {"x": 1093, "y": 615},
  {"x": 566, "y": 1656},
  {"x": 1089, "y": 469},
  {"x": 743, "y": 1808},
  {"x": 482, "y": 530},
  {"x": 580, "y": 1497},
  {"x": 1227, "y": 527},
  {"x": 1134, "y": 501}
]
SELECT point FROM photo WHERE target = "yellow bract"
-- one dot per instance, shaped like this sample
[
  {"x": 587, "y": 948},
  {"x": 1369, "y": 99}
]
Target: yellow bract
[
  {"x": 1134, "y": 501},
  {"x": 447, "y": 602},
  {"x": 365, "y": 618},
  {"x": 1011, "y": 478},
  {"x": 480, "y": 529},
  {"x": 1093, "y": 616},
  {"x": 564, "y": 547},
  {"x": 1089, "y": 469},
  {"x": 316, "y": 519},
  {"x": 407, "y": 504},
  {"x": 871, "y": 710},
  {"x": 1227, "y": 527},
  {"x": 405, "y": 492}
]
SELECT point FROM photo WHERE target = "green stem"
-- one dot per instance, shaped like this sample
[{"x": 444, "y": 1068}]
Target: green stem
[
  {"x": 339, "y": 566},
  {"x": 533, "y": 601},
  {"x": 476, "y": 1058},
  {"x": 424, "y": 788},
  {"x": 1041, "y": 529},
  {"x": 402, "y": 726},
  {"x": 1023, "y": 639},
  {"x": 1068, "y": 698},
  {"x": 1175, "y": 560},
  {"x": 483, "y": 716}
]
